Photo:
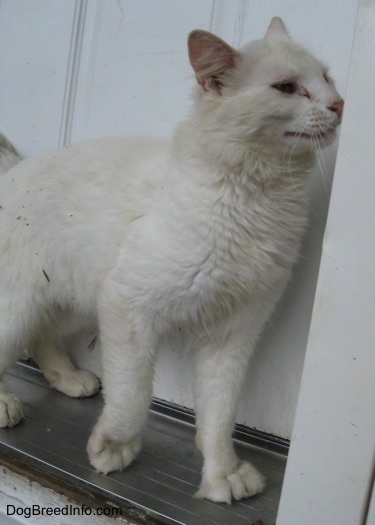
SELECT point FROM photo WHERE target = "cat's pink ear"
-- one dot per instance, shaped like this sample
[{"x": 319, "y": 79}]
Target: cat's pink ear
[
  {"x": 211, "y": 58},
  {"x": 276, "y": 30}
]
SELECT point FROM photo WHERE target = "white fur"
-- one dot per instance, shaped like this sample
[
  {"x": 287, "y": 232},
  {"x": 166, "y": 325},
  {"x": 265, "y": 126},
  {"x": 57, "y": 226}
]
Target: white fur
[{"x": 145, "y": 237}]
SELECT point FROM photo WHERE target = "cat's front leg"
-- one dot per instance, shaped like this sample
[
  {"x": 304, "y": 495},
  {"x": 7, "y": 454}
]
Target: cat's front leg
[
  {"x": 219, "y": 375},
  {"x": 127, "y": 362},
  {"x": 127, "y": 383}
]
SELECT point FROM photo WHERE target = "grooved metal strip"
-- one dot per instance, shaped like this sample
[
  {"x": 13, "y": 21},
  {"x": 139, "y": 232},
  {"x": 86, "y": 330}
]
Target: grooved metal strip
[{"x": 161, "y": 481}]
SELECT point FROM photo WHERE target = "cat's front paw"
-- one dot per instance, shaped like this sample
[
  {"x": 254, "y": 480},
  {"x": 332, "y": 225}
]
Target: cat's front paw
[
  {"x": 78, "y": 383},
  {"x": 11, "y": 411},
  {"x": 242, "y": 482},
  {"x": 107, "y": 455}
]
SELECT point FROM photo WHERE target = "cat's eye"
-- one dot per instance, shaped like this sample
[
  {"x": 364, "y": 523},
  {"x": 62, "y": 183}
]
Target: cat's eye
[
  {"x": 285, "y": 87},
  {"x": 326, "y": 77}
]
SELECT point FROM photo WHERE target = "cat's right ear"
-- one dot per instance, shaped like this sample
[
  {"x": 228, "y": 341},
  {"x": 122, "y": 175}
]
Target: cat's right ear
[
  {"x": 276, "y": 30},
  {"x": 211, "y": 58}
]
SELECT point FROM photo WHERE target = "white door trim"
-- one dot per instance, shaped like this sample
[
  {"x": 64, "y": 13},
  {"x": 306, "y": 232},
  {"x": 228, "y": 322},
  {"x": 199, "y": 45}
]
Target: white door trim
[{"x": 330, "y": 467}]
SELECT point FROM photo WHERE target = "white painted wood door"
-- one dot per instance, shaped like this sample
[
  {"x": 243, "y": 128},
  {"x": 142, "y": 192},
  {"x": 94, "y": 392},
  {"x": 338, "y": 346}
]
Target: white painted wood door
[{"x": 35, "y": 54}]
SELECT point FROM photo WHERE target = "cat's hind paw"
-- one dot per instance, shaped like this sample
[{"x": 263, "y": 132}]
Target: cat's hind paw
[
  {"x": 244, "y": 481},
  {"x": 11, "y": 411},
  {"x": 78, "y": 383},
  {"x": 107, "y": 455}
]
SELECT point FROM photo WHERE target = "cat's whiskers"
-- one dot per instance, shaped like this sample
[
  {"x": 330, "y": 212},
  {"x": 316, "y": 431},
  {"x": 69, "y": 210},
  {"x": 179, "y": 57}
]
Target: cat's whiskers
[
  {"x": 320, "y": 162},
  {"x": 326, "y": 131},
  {"x": 293, "y": 142},
  {"x": 322, "y": 131}
]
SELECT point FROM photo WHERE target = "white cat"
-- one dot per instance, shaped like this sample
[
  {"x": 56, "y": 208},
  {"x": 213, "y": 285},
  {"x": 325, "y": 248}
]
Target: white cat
[{"x": 145, "y": 237}]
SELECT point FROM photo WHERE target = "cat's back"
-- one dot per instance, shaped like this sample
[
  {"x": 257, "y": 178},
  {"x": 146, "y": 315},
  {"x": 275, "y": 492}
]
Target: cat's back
[
  {"x": 72, "y": 208},
  {"x": 118, "y": 174},
  {"x": 101, "y": 161}
]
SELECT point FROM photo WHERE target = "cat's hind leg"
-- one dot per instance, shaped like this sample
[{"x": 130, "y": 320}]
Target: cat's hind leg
[
  {"x": 11, "y": 411},
  {"x": 59, "y": 370},
  {"x": 219, "y": 374}
]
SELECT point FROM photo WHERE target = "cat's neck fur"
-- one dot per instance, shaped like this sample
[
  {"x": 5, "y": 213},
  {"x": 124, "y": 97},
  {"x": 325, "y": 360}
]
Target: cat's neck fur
[
  {"x": 254, "y": 193},
  {"x": 249, "y": 161}
]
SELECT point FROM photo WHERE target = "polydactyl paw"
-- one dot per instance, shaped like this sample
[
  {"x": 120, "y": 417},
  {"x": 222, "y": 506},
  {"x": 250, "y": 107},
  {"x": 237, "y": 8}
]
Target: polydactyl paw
[
  {"x": 242, "y": 482},
  {"x": 108, "y": 455}
]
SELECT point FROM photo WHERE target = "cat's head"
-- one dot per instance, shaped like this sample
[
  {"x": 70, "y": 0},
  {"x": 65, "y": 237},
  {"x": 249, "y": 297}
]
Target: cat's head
[{"x": 272, "y": 92}]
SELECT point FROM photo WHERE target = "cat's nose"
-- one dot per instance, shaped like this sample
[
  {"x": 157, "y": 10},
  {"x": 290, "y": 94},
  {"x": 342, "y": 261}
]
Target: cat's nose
[{"x": 337, "y": 107}]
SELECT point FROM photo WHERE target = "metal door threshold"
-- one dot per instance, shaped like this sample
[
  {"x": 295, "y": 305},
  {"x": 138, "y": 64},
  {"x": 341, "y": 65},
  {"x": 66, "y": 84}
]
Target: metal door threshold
[{"x": 163, "y": 479}]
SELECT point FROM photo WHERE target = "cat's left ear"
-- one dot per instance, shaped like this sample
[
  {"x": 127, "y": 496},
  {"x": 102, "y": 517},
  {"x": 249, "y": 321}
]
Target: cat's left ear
[
  {"x": 276, "y": 30},
  {"x": 211, "y": 58}
]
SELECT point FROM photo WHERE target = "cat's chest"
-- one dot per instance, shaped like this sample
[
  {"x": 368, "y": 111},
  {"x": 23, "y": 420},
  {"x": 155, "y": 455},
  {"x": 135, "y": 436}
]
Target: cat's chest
[
  {"x": 209, "y": 258},
  {"x": 257, "y": 229},
  {"x": 235, "y": 251},
  {"x": 253, "y": 255}
]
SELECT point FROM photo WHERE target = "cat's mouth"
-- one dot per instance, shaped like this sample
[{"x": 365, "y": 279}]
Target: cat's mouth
[{"x": 321, "y": 135}]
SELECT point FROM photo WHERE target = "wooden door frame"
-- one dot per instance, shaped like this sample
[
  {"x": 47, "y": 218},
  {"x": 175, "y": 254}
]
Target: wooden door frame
[{"x": 330, "y": 469}]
